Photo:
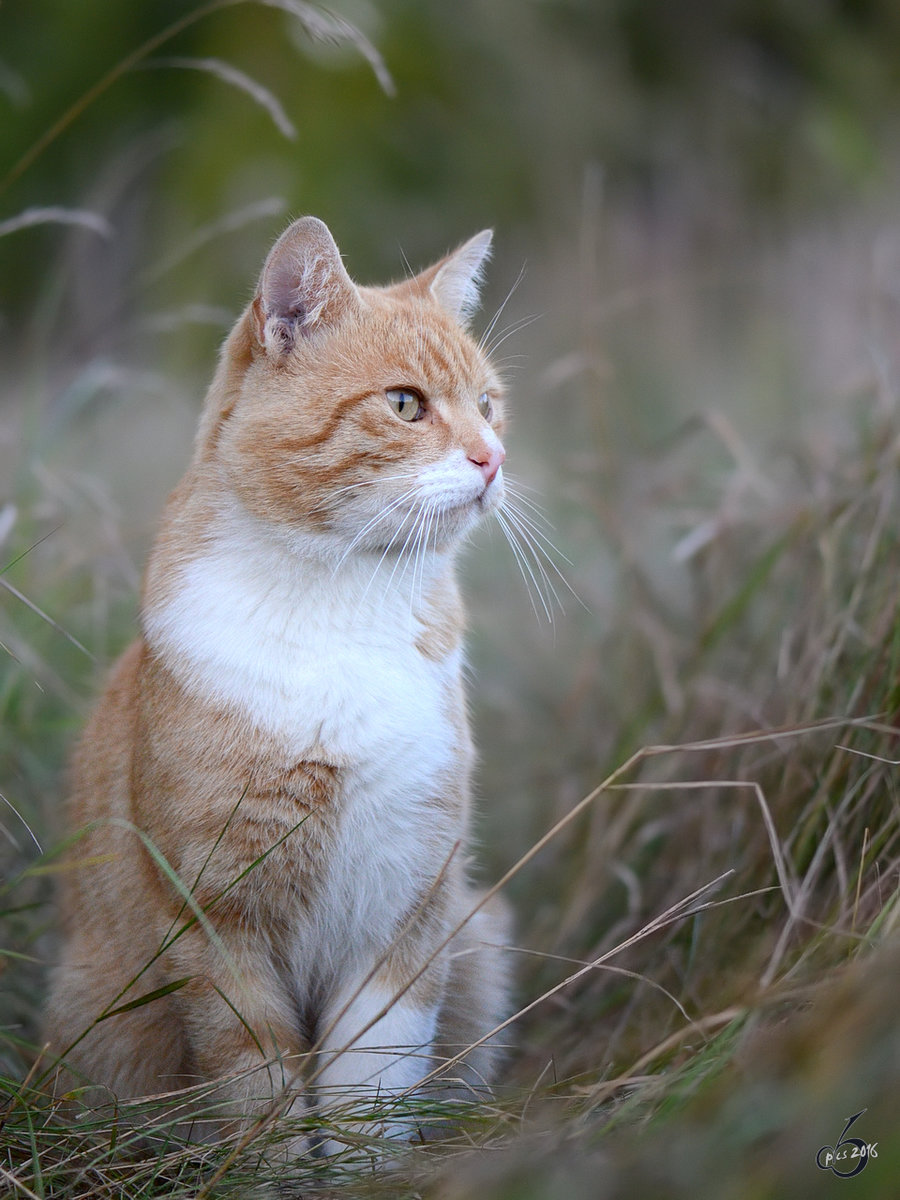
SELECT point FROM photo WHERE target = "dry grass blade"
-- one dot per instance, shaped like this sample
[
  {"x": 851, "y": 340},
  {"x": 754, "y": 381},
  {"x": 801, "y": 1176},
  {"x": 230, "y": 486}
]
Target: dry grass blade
[
  {"x": 602, "y": 1091},
  {"x": 673, "y": 913},
  {"x": 234, "y": 77},
  {"x": 55, "y": 215},
  {"x": 38, "y": 611},
  {"x": 331, "y": 28},
  {"x": 259, "y": 210},
  {"x": 30, "y": 831},
  {"x": 781, "y": 866},
  {"x": 20, "y": 1188}
]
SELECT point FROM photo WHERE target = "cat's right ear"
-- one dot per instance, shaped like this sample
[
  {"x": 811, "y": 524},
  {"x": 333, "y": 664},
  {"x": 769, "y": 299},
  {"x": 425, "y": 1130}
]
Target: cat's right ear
[{"x": 303, "y": 287}]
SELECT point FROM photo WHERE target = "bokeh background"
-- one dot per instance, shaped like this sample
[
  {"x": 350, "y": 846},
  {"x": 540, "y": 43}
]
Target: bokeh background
[{"x": 698, "y": 248}]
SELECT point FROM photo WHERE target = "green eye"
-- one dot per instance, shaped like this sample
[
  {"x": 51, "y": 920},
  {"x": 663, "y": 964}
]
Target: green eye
[
  {"x": 406, "y": 404},
  {"x": 485, "y": 407}
]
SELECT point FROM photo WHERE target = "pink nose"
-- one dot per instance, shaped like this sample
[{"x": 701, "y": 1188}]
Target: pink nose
[{"x": 489, "y": 460}]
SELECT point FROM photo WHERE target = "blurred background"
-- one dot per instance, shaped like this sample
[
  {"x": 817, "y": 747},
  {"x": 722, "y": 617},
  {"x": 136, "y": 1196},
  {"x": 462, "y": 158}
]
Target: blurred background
[{"x": 698, "y": 248}]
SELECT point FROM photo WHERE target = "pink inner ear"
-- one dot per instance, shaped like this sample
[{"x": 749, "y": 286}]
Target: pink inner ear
[
  {"x": 304, "y": 283},
  {"x": 457, "y": 284},
  {"x": 282, "y": 293}
]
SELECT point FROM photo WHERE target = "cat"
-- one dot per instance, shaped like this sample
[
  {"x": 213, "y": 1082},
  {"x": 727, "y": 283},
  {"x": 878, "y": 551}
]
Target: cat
[{"x": 275, "y": 785}]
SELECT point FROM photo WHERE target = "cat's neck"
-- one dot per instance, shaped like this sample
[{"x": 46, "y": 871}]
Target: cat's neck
[
  {"x": 227, "y": 544},
  {"x": 242, "y": 607}
]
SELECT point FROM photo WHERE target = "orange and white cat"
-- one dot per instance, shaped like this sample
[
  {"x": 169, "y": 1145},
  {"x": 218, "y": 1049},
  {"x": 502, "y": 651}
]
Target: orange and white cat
[{"x": 285, "y": 749}]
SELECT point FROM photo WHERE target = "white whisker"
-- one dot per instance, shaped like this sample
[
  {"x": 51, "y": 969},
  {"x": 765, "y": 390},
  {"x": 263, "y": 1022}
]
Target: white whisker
[
  {"x": 542, "y": 550},
  {"x": 509, "y": 362},
  {"x": 349, "y": 487},
  {"x": 372, "y": 522},
  {"x": 497, "y": 315},
  {"x": 525, "y": 526},
  {"x": 385, "y": 553},
  {"x": 517, "y": 490},
  {"x": 418, "y": 560},
  {"x": 524, "y": 569},
  {"x": 516, "y": 327},
  {"x": 410, "y": 540},
  {"x": 432, "y": 514},
  {"x": 536, "y": 553},
  {"x": 513, "y": 508}
]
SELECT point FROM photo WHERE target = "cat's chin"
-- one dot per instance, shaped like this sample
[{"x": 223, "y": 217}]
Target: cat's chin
[
  {"x": 468, "y": 513},
  {"x": 492, "y": 497}
]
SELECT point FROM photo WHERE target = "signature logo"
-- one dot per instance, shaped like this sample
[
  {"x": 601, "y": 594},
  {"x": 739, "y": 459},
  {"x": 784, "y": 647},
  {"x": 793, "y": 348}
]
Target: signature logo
[{"x": 849, "y": 1155}]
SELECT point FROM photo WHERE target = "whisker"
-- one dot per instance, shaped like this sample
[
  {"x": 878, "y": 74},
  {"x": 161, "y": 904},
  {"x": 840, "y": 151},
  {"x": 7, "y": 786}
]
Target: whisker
[
  {"x": 413, "y": 549},
  {"x": 524, "y": 569},
  {"x": 373, "y": 521},
  {"x": 349, "y": 487},
  {"x": 496, "y": 317},
  {"x": 537, "y": 554},
  {"x": 540, "y": 546},
  {"x": 432, "y": 522},
  {"x": 519, "y": 485},
  {"x": 418, "y": 572},
  {"x": 421, "y": 535},
  {"x": 516, "y": 327},
  {"x": 379, "y": 516},
  {"x": 509, "y": 362},
  {"x": 385, "y": 553},
  {"x": 409, "y": 539},
  {"x": 535, "y": 529},
  {"x": 517, "y": 490},
  {"x": 413, "y": 558},
  {"x": 514, "y": 501}
]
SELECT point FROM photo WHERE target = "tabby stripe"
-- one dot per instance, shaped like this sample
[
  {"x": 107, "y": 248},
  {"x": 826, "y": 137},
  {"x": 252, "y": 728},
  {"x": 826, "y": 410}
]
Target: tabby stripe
[{"x": 335, "y": 417}]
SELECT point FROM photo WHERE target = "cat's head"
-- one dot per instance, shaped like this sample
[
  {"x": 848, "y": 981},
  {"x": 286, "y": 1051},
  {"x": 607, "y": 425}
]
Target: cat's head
[{"x": 368, "y": 416}]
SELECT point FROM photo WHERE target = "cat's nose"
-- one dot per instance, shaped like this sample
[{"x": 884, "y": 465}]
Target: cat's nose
[{"x": 489, "y": 459}]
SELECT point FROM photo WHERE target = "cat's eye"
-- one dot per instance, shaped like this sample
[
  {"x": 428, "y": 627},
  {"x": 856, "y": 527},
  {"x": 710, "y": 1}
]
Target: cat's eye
[
  {"x": 406, "y": 404},
  {"x": 485, "y": 407}
]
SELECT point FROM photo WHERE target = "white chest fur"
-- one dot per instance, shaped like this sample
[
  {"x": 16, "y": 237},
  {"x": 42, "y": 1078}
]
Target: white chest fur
[
  {"x": 325, "y": 661},
  {"x": 316, "y": 655}
]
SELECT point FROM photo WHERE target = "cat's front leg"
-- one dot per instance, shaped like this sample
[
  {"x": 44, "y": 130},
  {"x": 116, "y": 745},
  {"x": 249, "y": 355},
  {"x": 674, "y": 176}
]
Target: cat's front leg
[
  {"x": 242, "y": 1040},
  {"x": 376, "y": 1045}
]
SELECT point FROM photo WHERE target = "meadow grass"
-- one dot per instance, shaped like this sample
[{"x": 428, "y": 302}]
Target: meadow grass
[{"x": 705, "y": 867}]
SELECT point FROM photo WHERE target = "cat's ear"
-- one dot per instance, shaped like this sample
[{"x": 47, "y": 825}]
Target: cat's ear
[
  {"x": 303, "y": 286},
  {"x": 456, "y": 281}
]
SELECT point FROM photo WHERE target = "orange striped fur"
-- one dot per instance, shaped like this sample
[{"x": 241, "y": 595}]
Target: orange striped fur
[{"x": 288, "y": 735}]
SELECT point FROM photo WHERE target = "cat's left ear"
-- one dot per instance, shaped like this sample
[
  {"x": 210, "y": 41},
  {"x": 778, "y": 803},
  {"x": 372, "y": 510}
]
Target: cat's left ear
[
  {"x": 304, "y": 286},
  {"x": 455, "y": 282}
]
